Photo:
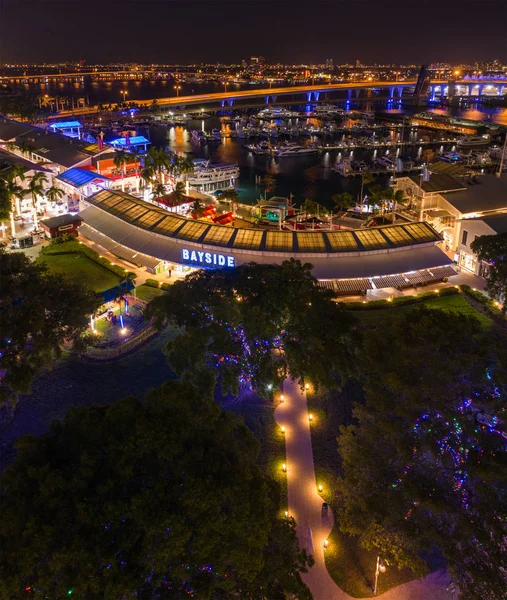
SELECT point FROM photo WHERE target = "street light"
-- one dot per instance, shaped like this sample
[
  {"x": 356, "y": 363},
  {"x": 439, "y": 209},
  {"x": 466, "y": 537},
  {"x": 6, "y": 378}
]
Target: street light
[
  {"x": 125, "y": 93},
  {"x": 381, "y": 568},
  {"x": 177, "y": 88},
  {"x": 320, "y": 488},
  {"x": 311, "y": 417},
  {"x": 284, "y": 468}
]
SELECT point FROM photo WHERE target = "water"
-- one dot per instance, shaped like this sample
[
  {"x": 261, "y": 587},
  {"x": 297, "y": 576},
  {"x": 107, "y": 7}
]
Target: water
[{"x": 77, "y": 382}]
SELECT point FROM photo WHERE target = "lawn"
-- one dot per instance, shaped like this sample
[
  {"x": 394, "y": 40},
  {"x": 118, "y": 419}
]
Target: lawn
[
  {"x": 147, "y": 292},
  {"x": 81, "y": 269},
  {"x": 455, "y": 303},
  {"x": 353, "y": 568}
]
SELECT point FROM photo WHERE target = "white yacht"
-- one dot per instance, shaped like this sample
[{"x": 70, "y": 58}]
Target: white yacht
[
  {"x": 473, "y": 140},
  {"x": 209, "y": 176},
  {"x": 276, "y": 113},
  {"x": 294, "y": 150}
]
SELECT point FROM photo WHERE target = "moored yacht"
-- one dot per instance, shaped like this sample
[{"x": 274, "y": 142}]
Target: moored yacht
[
  {"x": 210, "y": 176},
  {"x": 473, "y": 140}
]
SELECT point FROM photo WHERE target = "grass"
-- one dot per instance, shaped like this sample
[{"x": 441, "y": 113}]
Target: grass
[
  {"x": 81, "y": 269},
  {"x": 147, "y": 293},
  {"x": 352, "y": 567},
  {"x": 456, "y": 303}
]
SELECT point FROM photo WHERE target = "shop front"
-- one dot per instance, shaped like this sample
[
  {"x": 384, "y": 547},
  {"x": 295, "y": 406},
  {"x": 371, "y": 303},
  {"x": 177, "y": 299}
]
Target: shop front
[{"x": 468, "y": 261}]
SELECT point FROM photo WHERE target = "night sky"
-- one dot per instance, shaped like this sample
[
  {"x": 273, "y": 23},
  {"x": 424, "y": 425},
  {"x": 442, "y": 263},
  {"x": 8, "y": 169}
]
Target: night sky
[{"x": 293, "y": 31}]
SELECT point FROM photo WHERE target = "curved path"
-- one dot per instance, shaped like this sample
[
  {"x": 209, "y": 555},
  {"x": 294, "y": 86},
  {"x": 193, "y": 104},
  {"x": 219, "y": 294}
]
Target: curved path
[{"x": 305, "y": 505}]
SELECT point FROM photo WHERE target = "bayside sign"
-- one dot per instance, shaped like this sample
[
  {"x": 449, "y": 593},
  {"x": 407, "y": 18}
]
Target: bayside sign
[{"x": 207, "y": 259}]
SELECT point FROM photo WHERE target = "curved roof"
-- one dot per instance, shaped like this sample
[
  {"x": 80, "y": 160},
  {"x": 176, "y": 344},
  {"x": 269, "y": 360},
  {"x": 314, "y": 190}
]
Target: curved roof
[{"x": 157, "y": 220}]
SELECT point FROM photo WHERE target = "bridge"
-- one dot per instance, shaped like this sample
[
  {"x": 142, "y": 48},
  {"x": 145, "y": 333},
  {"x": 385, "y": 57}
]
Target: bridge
[
  {"x": 313, "y": 92},
  {"x": 47, "y": 77}
]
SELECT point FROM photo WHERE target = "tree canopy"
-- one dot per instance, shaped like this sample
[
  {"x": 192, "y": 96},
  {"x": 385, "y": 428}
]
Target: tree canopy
[
  {"x": 493, "y": 250},
  {"x": 161, "y": 499},
  {"x": 38, "y": 311},
  {"x": 424, "y": 464},
  {"x": 253, "y": 324}
]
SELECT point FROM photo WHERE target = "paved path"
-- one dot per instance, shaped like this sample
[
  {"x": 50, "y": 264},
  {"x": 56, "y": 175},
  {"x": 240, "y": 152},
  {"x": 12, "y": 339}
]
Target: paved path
[{"x": 305, "y": 505}]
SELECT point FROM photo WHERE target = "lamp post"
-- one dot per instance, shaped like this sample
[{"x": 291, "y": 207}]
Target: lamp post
[
  {"x": 381, "y": 568},
  {"x": 124, "y": 93},
  {"x": 177, "y": 88}
]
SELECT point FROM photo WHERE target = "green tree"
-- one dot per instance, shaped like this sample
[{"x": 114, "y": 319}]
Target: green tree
[
  {"x": 343, "y": 201},
  {"x": 53, "y": 194},
  {"x": 254, "y": 324},
  {"x": 178, "y": 194},
  {"x": 418, "y": 472},
  {"x": 38, "y": 312},
  {"x": 10, "y": 190},
  {"x": 121, "y": 160},
  {"x": 155, "y": 499},
  {"x": 158, "y": 190},
  {"x": 36, "y": 189},
  {"x": 197, "y": 208},
  {"x": 159, "y": 161},
  {"x": 492, "y": 249}
]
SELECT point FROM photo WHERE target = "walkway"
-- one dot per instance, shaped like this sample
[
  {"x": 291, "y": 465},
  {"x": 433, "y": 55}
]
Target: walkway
[{"x": 305, "y": 505}]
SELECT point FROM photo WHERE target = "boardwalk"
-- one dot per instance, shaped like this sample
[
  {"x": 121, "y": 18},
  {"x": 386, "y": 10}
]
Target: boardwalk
[{"x": 305, "y": 505}]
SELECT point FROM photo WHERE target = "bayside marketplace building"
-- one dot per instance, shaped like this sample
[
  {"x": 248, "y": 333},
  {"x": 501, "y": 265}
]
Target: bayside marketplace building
[{"x": 346, "y": 261}]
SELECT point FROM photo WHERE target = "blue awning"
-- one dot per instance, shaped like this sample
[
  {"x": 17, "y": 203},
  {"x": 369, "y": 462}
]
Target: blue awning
[
  {"x": 65, "y": 124},
  {"x": 79, "y": 177},
  {"x": 133, "y": 141}
]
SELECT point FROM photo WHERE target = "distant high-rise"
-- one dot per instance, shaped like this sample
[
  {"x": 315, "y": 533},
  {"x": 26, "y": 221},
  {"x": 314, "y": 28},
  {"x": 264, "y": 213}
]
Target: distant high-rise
[
  {"x": 358, "y": 64},
  {"x": 256, "y": 60},
  {"x": 329, "y": 64}
]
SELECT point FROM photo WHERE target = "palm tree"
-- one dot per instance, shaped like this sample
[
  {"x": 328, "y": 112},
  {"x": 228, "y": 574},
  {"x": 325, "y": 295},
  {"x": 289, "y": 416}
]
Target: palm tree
[
  {"x": 147, "y": 175},
  {"x": 377, "y": 195},
  {"x": 343, "y": 201},
  {"x": 36, "y": 188},
  {"x": 186, "y": 166},
  {"x": 54, "y": 193},
  {"x": 159, "y": 160},
  {"x": 158, "y": 190},
  {"x": 366, "y": 179},
  {"x": 178, "y": 194},
  {"x": 197, "y": 209},
  {"x": 10, "y": 191},
  {"x": 398, "y": 197},
  {"x": 120, "y": 160}
]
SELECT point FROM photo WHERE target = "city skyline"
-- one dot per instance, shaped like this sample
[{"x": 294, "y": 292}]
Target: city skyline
[{"x": 225, "y": 31}]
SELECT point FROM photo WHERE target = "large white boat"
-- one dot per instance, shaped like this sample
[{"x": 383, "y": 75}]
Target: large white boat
[
  {"x": 328, "y": 109},
  {"x": 209, "y": 176},
  {"x": 293, "y": 149},
  {"x": 473, "y": 140},
  {"x": 276, "y": 113}
]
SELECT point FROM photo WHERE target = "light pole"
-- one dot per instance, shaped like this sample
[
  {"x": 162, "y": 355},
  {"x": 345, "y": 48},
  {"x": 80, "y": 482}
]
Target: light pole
[
  {"x": 125, "y": 93},
  {"x": 225, "y": 87},
  {"x": 177, "y": 88},
  {"x": 381, "y": 568}
]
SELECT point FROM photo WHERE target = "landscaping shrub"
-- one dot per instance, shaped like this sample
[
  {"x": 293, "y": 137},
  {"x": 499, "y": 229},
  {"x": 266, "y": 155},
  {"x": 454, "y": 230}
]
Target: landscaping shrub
[
  {"x": 486, "y": 301},
  {"x": 151, "y": 283},
  {"x": 165, "y": 286},
  {"x": 401, "y": 300}
]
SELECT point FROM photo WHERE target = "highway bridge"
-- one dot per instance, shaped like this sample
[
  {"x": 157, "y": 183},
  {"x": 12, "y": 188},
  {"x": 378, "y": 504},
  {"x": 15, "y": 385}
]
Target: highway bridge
[{"x": 465, "y": 87}]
